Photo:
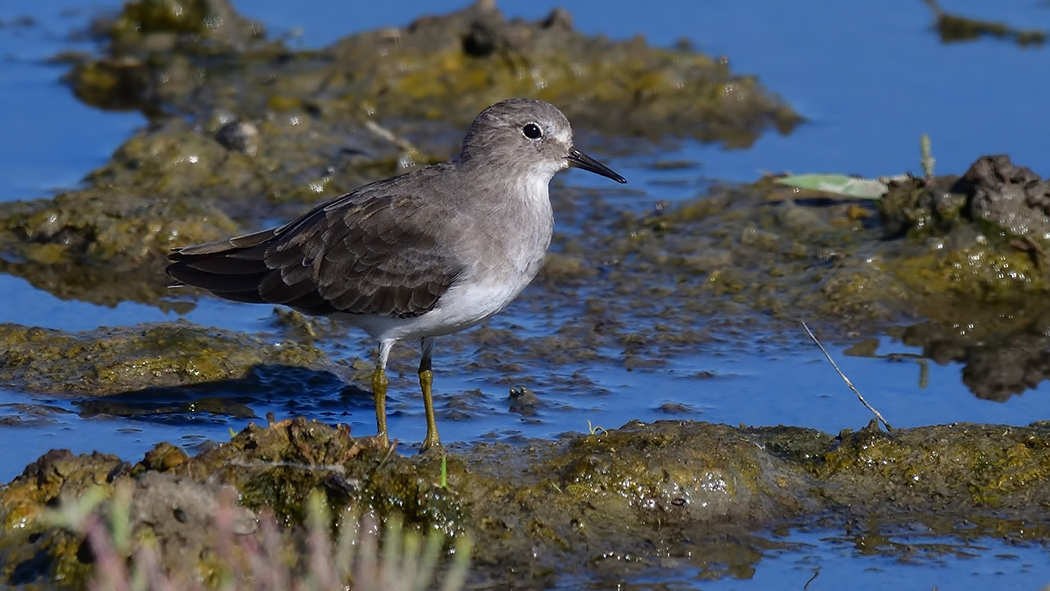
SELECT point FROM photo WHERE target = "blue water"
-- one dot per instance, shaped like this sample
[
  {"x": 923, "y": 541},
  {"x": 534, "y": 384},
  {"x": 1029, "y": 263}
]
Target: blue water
[
  {"x": 821, "y": 560},
  {"x": 870, "y": 77},
  {"x": 50, "y": 139}
]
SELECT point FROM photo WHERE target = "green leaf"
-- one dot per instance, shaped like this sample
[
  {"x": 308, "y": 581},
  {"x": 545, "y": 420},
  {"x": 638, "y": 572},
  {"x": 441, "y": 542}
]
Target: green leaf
[{"x": 838, "y": 184}]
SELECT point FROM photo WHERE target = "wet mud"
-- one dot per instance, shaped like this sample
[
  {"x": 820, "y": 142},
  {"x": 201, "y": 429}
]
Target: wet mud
[{"x": 129, "y": 358}]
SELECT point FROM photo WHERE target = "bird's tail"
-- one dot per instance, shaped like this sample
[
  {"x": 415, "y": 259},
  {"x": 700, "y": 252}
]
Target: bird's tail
[{"x": 232, "y": 269}]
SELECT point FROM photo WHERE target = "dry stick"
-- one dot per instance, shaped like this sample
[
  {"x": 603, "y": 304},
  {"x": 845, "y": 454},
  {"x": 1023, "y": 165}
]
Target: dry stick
[
  {"x": 844, "y": 378},
  {"x": 816, "y": 573},
  {"x": 410, "y": 155}
]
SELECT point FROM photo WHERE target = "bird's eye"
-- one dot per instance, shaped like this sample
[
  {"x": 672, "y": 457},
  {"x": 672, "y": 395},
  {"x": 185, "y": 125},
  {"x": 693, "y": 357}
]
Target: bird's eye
[{"x": 532, "y": 131}]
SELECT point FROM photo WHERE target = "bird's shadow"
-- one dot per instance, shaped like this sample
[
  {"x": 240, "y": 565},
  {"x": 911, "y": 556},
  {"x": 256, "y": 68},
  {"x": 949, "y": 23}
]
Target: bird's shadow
[{"x": 281, "y": 389}]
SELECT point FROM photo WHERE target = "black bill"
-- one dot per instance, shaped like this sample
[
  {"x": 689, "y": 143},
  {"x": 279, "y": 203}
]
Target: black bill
[{"x": 582, "y": 161}]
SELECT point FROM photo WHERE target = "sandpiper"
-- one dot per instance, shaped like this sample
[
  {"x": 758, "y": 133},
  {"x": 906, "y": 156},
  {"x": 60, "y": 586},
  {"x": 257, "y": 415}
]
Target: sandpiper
[{"x": 419, "y": 255}]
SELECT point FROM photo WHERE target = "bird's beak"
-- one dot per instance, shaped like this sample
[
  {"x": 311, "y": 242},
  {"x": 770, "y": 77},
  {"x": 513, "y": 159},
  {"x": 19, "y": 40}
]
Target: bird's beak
[{"x": 580, "y": 160}]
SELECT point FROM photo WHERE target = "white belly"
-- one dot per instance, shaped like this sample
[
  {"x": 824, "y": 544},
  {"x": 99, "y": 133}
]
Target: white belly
[{"x": 462, "y": 306}]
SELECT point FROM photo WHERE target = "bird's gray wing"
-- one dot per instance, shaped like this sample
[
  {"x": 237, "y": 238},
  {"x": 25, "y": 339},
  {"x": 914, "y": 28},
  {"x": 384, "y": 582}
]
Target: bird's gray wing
[{"x": 359, "y": 254}]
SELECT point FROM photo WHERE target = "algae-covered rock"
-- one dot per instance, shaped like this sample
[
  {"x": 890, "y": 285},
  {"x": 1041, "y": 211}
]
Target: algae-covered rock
[
  {"x": 176, "y": 514},
  {"x": 1002, "y": 198},
  {"x": 623, "y": 88},
  {"x": 438, "y": 67},
  {"x": 278, "y": 467},
  {"x": 819, "y": 260},
  {"x": 174, "y": 499},
  {"x": 56, "y": 472},
  {"x": 673, "y": 489},
  {"x": 958, "y": 469},
  {"x": 113, "y": 360},
  {"x": 1011, "y": 197},
  {"x": 209, "y": 20},
  {"x": 95, "y": 226},
  {"x": 146, "y": 29},
  {"x": 169, "y": 185}
]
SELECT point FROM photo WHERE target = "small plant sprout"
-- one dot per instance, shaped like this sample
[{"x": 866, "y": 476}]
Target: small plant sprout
[
  {"x": 444, "y": 472},
  {"x": 927, "y": 160}
]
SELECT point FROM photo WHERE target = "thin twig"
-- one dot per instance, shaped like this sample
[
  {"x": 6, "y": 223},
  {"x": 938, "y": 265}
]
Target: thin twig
[
  {"x": 388, "y": 135},
  {"x": 389, "y": 454},
  {"x": 878, "y": 415},
  {"x": 816, "y": 573},
  {"x": 410, "y": 155}
]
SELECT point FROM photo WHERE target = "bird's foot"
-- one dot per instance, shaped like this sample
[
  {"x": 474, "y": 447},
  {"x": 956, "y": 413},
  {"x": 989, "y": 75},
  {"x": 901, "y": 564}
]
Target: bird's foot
[{"x": 431, "y": 443}]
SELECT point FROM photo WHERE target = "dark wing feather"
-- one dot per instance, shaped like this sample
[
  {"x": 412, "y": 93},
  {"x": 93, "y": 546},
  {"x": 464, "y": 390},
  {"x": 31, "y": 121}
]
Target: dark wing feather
[{"x": 359, "y": 254}]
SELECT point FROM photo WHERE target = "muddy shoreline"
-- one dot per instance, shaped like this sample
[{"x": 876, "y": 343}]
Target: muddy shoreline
[{"x": 672, "y": 489}]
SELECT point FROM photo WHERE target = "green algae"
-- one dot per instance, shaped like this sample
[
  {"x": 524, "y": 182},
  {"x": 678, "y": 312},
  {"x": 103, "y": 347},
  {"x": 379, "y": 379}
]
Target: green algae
[
  {"x": 671, "y": 488},
  {"x": 983, "y": 273},
  {"x": 95, "y": 226},
  {"x": 188, "y": 24},
  {"x": 647, "y": 91},
  {"x": 980, "y": 466},
  {"x": 155, "y": 16},
  {"x": 123, "y": 359}
]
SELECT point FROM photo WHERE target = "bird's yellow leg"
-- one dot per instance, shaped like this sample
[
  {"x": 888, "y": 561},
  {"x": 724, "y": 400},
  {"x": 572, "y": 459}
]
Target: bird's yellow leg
[
  {"x": 379, "y": 384},
  {"x": 426, "y": 381}
]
